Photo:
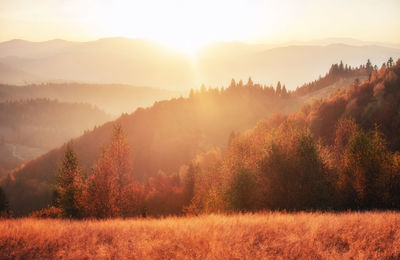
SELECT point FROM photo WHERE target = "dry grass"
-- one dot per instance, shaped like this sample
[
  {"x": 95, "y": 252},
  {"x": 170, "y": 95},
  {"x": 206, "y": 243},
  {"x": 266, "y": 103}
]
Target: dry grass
[{"x": 250, "y": 236}]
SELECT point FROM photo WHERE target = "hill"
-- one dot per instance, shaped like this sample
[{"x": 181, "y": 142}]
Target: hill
[
  {"x": 15, "y": 76},
  {"x": 29, "y": 128},
  {"x": 113, "y": 98},
  {"x": 135, "y": 61},
  {"x": 341, "y": 153},
  {"x": 162, "y": 137}
]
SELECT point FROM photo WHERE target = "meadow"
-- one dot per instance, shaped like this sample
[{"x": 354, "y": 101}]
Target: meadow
[{"x": 274, "y": 235}]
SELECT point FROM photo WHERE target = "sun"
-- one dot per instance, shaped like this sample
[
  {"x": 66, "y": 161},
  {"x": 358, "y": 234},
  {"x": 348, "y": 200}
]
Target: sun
[{"x": 189, "y": 46}]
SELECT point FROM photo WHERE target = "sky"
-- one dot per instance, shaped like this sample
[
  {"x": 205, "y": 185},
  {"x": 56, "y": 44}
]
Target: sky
[{"x": 187, "y": 25}]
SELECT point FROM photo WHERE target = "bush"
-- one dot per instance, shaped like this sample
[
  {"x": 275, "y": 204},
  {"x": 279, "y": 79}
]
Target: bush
[{"x": 50, "y": 212}]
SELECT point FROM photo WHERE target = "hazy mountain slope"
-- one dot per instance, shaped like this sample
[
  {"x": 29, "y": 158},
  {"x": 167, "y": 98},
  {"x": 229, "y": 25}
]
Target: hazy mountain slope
[
  {"x": 28, "y": 49},
  {"x": 15, "y": 76},
  {"x": 140, "y": 62},
  {"x": 114, "y": 99},
  {"x": 29, "y": 128}
]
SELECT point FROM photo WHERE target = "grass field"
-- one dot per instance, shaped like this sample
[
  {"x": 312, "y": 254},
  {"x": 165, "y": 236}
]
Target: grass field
[{"x": 250, "y": 236}]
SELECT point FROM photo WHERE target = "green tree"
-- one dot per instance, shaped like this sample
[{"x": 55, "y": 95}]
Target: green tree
[
  {"x": 367, "y": 162},
  {"x": 241, "y": 192},
  {"x": 294, "y": 172},
  {"x": 69, "y": 185}
]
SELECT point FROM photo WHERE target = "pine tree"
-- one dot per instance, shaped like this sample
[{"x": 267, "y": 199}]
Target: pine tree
[
  {"x": 189, "y": 182},
  {"x": 284, "y": 91},
  {"x": 390, "y": 62},
  {"x": 233, "y": 83},
  {"x": 3, "y": 201},
  {"x": 249, "y": 82},
  {"x": 278, "y": 89},
  {"x": 69, "y": 185}
]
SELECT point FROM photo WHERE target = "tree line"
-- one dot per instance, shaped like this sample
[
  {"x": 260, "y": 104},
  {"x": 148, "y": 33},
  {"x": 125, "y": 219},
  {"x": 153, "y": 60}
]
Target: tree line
[
  {"x": 313, "y": 154},
  {"x": 284, "y": 163}
]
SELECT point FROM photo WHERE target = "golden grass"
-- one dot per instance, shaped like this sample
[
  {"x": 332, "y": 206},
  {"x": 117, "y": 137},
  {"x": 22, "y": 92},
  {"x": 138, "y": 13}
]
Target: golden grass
[{"x": 249, "y": 236}]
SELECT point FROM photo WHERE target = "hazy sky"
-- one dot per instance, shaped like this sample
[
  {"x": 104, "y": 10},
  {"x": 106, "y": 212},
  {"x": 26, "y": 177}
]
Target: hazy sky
[{"x": 189, "y": 24}]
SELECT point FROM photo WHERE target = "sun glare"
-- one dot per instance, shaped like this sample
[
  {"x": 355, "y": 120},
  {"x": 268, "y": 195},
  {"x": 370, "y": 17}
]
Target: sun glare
[
  {"x": 189, "y": 46},
  {"x": 184, "y": 26}
]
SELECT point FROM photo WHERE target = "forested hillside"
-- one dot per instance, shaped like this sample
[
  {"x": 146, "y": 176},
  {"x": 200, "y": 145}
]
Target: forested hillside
[
  {"x": 162, "y": 137},
  {"x": 29, "y": 128},
  {"x": 338, "y": 153},
  {"x": 165, "y": 138}
]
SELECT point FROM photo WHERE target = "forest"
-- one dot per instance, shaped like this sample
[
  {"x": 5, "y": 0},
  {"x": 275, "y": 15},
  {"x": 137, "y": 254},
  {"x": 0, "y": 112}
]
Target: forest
[{"x": 338, "y": 153}]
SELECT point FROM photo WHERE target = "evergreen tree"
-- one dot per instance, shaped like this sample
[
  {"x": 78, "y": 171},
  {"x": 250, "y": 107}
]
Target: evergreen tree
[
  {"x": 341, "y": 67},
  {"x": 189, "y": 182},
  {"x": 191, "y": 94},
  {"x": 390, "y": 62},
  {"x": 284, "y": 91},
  {"x": 278, "y": 89},
  {"x": 233, "y": 83},
  {"x": 249, "y": 82},
  {"x": 3, "y": 201},
  {"x": 69, "y": 185}
]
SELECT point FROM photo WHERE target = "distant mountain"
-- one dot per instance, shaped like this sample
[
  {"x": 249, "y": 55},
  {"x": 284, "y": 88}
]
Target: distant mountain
[
  {"x": 28, "y": 49},
  {"x": 144, "y": 63}
]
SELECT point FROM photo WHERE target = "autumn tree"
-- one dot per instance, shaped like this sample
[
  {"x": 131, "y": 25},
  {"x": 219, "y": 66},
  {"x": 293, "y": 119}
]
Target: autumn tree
[
  {"x": 110, "y": 188},
  {"x": 69, "y": 185}
]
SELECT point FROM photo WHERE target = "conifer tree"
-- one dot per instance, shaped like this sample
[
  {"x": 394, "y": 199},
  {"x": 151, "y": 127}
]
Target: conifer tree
[
  {"x": 278, "y": 89},
  {"x": 249, "y": 82},
  {"x": 3, "y": 201},
  {"x": 69, "y": 185},
  {"x": 284, "y": 91},
  {"x": 233, "y": 83},
  {"x": 390, "y": 62}
]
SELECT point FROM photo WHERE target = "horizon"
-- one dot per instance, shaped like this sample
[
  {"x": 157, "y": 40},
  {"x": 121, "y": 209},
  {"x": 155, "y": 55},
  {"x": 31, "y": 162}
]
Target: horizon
[{"x": 187, "y": 26}]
